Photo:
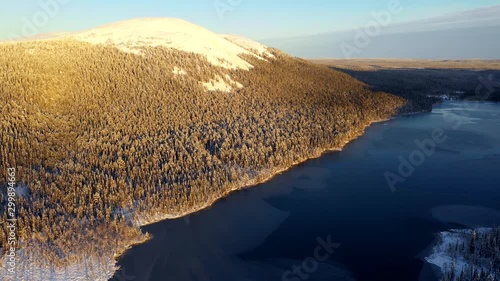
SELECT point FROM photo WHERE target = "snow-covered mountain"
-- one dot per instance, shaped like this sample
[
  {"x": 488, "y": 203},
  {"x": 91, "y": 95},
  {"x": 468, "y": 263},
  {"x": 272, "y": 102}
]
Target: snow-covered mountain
[{"x": 130, "y": 35}]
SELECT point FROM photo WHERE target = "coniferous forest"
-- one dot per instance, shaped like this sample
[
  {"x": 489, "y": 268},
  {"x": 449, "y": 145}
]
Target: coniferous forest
[
  {"x": 480, "y": 251},
  {"x": 103, "y": 141}
]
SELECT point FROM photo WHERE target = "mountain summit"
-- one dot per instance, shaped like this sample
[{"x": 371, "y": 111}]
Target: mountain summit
[{"x": 131, "y": 35}]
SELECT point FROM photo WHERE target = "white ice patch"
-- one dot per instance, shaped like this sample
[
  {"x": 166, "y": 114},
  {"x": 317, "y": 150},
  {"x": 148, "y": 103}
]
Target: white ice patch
[
  {"x": 220, "y": 84},
  {"x": 179, "y": 71}
]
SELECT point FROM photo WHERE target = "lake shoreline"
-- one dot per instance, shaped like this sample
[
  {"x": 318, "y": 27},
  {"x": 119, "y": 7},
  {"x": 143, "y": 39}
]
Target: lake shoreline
[
  {"x": 272, "y": 175},
  {"x": 354, "y": 161},
  {"x": 215, "y": 199}
]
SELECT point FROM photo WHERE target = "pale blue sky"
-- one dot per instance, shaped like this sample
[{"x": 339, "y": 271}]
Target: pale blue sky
[{"x": 257, "y": 19}]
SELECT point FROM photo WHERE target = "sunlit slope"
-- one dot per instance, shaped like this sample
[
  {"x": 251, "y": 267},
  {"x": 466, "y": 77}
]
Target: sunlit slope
[{"x": 106, "y": 139}]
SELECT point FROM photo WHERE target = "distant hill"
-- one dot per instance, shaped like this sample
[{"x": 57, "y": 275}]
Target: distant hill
[
  {"x": 424, "y": 82},
  {"x": 148, "y": 119},
  {"x": 377, "y": 64}
]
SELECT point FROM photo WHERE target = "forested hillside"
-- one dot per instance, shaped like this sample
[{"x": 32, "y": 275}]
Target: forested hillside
[{"x": 104, "y": 141}]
